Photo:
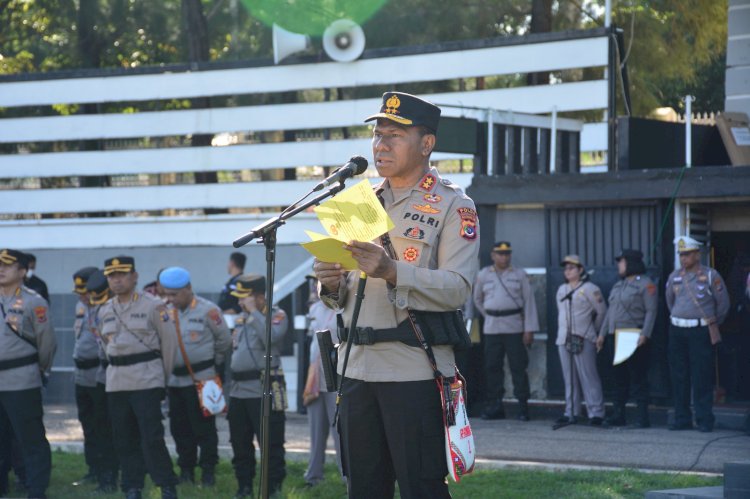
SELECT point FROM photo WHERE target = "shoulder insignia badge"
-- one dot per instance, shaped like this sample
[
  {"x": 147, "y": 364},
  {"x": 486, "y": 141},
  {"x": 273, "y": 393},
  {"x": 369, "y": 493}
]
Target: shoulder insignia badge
[
  {"x": 468, "y": 228},
  {"x": 41, "y": 314},
  {"x": 164, "y": 315},
  {"x": 717, "y": 284},
  {"x": 277, "y": 318},
  {"x": 214, "y": 315},
  {"x": 651, "y": 289}
]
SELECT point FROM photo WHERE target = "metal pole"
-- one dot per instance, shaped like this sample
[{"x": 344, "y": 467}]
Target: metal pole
[
  {"x": 678, "y": 223},
  {"x": 689, "y": 130},
  {"x": 490, "y": 142},
  {"x": 607, "y": 13},
  {"x": 553, "y": 141}
]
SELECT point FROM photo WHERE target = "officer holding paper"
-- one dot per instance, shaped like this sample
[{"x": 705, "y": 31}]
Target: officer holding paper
[{"x": 632, "y": 307}]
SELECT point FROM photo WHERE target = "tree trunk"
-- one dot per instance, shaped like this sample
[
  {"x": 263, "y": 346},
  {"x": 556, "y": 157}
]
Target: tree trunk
[{"x": 541, "y": 22}]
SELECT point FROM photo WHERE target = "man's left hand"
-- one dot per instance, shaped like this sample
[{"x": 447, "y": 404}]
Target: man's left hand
[
  {"x": 528, "y": 338},
  {"x": 373, "y": 260}
]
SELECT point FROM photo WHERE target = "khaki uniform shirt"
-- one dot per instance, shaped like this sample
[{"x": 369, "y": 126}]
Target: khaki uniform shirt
[
  {"x": 632, "y": 304},
  {"x": 28, "y": 313},
  {"x": 86, "y": 346},
  {"x": 249, "y": 348},
  {"x": 205, "y": 336},
  {"x": 94, "y": 323},
  {"x": 706, "y": 288},
  {"x": 139, "y": 326},
  {"x": 436, "y": 239},
  {"x": 586, "y": 314},
  {"x": 501, "y": 290}
]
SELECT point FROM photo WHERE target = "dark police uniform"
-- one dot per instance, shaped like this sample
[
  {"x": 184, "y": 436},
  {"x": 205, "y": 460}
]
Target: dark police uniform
[
  {"x": 245, "y": 395},
  {"x": 391, "y": 425},
  {"x": 27, "y": 347},
  {"x": 205, "y": 337},
  {"x": 506, "y": 300},
  {"x": 98, "y": 449},
  {"x": 141, "y": 343},
  {"x": 694, "y": 299},
  {"x": 633, "y": 303}
]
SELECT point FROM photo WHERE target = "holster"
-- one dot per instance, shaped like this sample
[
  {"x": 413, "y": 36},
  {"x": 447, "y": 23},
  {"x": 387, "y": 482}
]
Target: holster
[{"x": 328, "y": 358}]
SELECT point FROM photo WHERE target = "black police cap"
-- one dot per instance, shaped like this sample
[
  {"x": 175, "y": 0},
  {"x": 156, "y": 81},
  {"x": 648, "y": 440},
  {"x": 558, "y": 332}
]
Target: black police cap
[
  {"x": 11, "y": 256},
  {"x": 119, "y": 264},
  {"x": 408, "y": 109},
  {"x": 81, "y": 277}
]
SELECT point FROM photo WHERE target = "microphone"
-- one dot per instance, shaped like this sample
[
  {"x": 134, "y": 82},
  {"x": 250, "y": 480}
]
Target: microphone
[{"x": 355, "y": 166}]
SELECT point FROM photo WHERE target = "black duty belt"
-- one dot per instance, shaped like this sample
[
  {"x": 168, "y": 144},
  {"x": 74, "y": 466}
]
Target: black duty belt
[
  {"x": 369, "y": 336},
  {"x": 198, "y": 366},
  {"x": 504, "y": 313},
  {"x": 136, "y": 358},
  {"x": 19, "y": 362},
  {"x": 105, "y": 363},
  {"x": 87, "y": 363},
  {"x": 253, "y": 375}
]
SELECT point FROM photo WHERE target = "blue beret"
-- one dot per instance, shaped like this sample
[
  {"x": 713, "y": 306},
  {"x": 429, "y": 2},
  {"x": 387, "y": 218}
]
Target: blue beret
[{"x": 174, "y": 277}]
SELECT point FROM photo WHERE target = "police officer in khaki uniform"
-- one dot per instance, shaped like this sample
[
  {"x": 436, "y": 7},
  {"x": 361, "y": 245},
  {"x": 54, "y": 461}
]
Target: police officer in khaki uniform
[
  {"x": 391, "y": 424},
  {"x": 697, "y": 298},
  {"x": 205, "y": 338},
  {"x": 245, "y": 396},
  {"x": 90, "y": 395},
  {"x": 632, "y": 305},
  {"x": 141, "y": 343},
  {"x": 504, "y": 296},
  {"x": 27, "y": 347},
  {"x": 581, "y": 311}
]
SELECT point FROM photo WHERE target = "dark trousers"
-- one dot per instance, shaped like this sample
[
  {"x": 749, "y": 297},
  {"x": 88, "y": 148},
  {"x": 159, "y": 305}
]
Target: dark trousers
[
  {"x": 21, "y": 415},
  {"x": 139, "y": 437},
  {"x": 190, "y": 429},
  {"x": 631, "y": 373},
  {"x": 393, "y": 431},
  {"x": 98, "y": 445},
  {"x": 496, "y": 347},
  {"x": 691, "y": 362},
  {"x": 244, "y": 424}
]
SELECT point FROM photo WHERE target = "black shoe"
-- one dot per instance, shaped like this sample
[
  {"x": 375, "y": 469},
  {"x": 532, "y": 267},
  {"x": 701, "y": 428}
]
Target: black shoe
[
  {"x": 566, "y": 420},
  {"x": 133, "y": 494},
  {"x": 187, "y": 475},
  {"x": 680, "y": 427},
  {"x": 596, "y": 421},
  {"x": 89, "y": 477},
  {"x": 106, "y": 488},
  {"x": 244, "y": 492},
  {"x": 208, "y": 479},
  {"x": 494, "y": 411},
  {"x": 168, "y": 492},
  {"x": 523, "y": 410}
]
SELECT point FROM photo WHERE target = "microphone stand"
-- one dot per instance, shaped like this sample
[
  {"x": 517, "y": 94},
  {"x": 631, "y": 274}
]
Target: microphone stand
[{"x": 267, "y": 232}]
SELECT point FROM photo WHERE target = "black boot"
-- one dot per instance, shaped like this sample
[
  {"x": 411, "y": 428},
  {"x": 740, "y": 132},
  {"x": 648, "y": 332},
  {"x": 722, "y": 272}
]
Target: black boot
[
  {"x": 643, "y": 420},
  {"x": 618, "y": 416},
  {"x": 187, "y": 475},
  {"x": 168, "y": 492},
  {"x": 523, "y": 410},
  {"x": 494, "y": 410},
  {"x": 107, "y": 483},
  {"x": 208, "y": 478}
]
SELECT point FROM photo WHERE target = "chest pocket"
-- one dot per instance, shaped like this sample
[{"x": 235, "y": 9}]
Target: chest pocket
[{"x": 414, "y": 242}]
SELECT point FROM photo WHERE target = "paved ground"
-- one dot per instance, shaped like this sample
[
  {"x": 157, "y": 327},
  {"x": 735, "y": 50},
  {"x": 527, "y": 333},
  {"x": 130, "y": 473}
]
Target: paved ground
[{"x": 513, "y": 443}]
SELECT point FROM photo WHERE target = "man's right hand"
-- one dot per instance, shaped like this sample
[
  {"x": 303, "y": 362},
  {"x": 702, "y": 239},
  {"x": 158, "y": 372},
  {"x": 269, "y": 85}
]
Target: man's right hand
[{"x": 329, "y": 275}]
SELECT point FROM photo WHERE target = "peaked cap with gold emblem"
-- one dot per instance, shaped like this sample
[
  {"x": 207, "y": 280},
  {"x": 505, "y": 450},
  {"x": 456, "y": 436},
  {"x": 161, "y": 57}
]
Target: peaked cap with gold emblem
[
  {"x": 81, "y": 277},
  {"x": 121, "y": 263},
  {"x": 249, "y": 284},
  {"x": 502, "y": 247},
  {"x": 11, "y": 256},
  {"x": 686, "y": 244},
  {"x": 408, "y": 109},
  {"x": 98, "y": 288}
]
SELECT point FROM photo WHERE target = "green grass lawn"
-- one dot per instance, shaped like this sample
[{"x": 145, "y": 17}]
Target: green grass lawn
[{"x": 66, "y": 468}]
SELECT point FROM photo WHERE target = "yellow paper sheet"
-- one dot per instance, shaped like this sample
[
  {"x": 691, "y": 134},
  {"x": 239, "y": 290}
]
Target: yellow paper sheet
[
  {"x": 353, "y": 215},
  {"x": 626, "y": 341}
]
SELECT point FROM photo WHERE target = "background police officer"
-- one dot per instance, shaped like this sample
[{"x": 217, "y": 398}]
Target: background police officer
[
  {"x": 205, "y": 338},
  {"x": 391, "y": 421},
  {"x": 90, "y": 395},
  {"x": 697, "y": 298},
  {"x": 504, "y": 296},
  {"x": 141, "y": 345},
  {"x": 632, "y": 304},
  {"x": 27, "y": 347},
  {"x": 247, "y": 363}
]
